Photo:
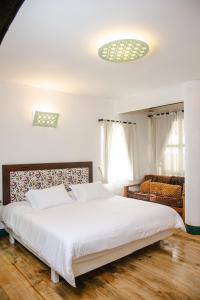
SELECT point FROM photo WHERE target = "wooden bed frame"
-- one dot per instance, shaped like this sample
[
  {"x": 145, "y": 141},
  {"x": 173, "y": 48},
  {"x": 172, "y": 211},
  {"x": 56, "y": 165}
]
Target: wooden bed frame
[{"x": 87, "y": 263}]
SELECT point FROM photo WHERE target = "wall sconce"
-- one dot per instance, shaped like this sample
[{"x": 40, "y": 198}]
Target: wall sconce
[{"x": 45, "y": 119}]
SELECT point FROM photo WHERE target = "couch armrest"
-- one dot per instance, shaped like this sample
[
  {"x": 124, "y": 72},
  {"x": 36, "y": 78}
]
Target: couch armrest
[
  {"x": 126, "y": 188},
  {"x": 183, "y": 192}
]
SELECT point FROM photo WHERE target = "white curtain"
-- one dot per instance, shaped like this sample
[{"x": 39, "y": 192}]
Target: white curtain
[
  {"x": 167, "y": 139},
  {"x": 131, "y": 140},
  {"x": 173, "y": 158},
  {"x": 119, "y": 152},
  {"x": 160, "y": 129},
  {"x": 106, "y": 143}
]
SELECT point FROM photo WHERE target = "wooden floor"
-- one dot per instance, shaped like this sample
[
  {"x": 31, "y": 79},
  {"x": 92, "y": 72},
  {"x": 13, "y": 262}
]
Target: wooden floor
[{"x": 166, "y": 270}]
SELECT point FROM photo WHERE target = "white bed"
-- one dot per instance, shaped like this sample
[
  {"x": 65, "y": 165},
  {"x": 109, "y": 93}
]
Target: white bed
[{"x": 76, "y": 238}]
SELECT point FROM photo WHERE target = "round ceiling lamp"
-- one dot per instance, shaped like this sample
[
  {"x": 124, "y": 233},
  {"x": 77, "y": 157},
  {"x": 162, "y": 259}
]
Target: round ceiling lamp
[{"x": 123, "y": 50}]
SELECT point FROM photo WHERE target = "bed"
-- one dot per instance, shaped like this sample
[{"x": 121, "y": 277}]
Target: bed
[{"x": 78, "y": 237}]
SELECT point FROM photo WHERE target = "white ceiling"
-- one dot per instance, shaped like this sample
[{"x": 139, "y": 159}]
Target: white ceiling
[{"x": 53, "y": 44}]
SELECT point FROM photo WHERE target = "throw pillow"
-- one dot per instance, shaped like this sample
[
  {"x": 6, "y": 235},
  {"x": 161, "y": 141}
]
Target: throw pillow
[
  {"x": 164, "y": 189},
  {"x": 145, "y": 186}
]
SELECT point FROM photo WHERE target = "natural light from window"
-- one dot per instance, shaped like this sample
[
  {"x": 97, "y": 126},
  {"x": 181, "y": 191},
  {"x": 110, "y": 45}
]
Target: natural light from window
[{"x": 119, "y": 166}]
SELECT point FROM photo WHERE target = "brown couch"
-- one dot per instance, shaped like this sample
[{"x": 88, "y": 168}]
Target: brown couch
[{"x": 177, "y": 203}]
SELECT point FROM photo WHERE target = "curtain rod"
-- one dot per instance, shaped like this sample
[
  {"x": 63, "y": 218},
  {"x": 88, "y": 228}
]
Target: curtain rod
[
  {"x": 164, "y": 113},
  {"x": 101, "y": 120}
]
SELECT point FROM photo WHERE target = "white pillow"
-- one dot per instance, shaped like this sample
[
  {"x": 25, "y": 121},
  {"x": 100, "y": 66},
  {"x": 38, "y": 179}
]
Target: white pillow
[
  {"x": 44, "y": 198},
  {"x": 90, "y": 191}
]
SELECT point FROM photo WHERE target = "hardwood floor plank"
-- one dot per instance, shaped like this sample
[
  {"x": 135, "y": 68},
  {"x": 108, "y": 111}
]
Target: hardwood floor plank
[
  {"x": 166, "y": 270},
  {"x": 13, "y": 285}
]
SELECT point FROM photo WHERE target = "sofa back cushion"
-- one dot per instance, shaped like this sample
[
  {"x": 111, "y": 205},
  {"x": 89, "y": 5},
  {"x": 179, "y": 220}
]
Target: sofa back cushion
[
  {"x": 145, "y": 186},
  {"x": 157, "y": 178},
  {"x": 177, "y": 180},
  {"x": 164, "y": 189}
]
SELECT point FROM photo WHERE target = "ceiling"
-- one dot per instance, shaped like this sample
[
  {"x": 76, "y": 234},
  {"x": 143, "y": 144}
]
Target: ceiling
[{"x": 54, "y": 44}]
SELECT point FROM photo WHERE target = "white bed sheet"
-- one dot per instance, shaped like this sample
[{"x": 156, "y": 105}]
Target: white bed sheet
[{"x": 61, "y": 234}]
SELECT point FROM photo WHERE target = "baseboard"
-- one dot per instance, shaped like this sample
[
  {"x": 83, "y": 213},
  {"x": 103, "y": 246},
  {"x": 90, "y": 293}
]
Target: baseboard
[
  {"x": 3, "y": 232},
  {"x": 193, "y": 229}
]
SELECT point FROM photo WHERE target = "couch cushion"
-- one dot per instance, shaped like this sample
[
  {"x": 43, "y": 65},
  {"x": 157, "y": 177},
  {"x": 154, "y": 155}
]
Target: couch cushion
[
  {"x": 139, "y": 195},
  {"x": 177, "y": 180},
  {"x": 158, "y": 178},
  {"x": 145, "y": 186},
  {"x": 169, "y": 201},
  {"x": 164, "y": 189},
  {"x": 150, "y": 177}
]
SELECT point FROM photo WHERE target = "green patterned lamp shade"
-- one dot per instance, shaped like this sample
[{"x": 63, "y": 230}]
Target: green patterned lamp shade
[
  {"x": 45, "y": 119},
  {"x": 124, "y": 50}
]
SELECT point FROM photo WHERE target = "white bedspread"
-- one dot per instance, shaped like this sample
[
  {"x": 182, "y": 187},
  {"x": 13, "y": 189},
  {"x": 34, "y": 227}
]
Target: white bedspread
[{"x": 63, "y": 233}]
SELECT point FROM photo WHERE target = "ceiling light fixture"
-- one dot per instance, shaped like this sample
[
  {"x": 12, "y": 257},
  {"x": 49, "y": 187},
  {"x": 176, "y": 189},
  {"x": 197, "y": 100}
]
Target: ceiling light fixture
[{"x": 123, "y": 50}]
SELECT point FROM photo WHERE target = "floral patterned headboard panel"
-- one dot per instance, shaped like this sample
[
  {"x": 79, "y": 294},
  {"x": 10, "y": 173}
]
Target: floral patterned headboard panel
[{"x": 18, "y": 179}]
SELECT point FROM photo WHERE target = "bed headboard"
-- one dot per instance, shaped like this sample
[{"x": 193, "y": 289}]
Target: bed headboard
[{"x": 18, "y": 179}]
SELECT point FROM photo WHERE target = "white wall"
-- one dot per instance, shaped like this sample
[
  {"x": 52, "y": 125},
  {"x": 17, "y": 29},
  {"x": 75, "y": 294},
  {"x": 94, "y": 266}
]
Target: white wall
[
  {"x": 75, "y": 139},
  {"x": 192, "y": 141},
  {"x": 153, "y": 98}
]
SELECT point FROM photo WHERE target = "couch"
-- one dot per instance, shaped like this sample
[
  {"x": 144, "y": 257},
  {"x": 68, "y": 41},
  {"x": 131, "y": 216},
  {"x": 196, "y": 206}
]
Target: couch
[{"x": 166, "y": 190}]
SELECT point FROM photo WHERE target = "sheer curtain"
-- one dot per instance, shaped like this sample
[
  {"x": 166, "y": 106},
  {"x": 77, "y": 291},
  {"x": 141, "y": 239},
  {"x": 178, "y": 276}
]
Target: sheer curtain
[
  {"x": 106, "y": 145},
  {"x": 167, "y": 143},
  {"x": 131, "y": 140},
  {"x": 119, "y": 152},
  {"x": 173, "y": 159},
  {"x": 160, "y": 129}
]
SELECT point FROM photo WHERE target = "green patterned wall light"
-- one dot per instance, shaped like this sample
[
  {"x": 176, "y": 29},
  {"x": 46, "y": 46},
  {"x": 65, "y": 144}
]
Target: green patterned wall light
[
  {"x": 45, "y": 119},
  {"x": 124, "y": 50}
]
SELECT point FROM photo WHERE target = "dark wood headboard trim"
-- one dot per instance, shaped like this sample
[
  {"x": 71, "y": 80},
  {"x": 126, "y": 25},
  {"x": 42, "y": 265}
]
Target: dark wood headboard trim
[{"x": 6, "y": 169}]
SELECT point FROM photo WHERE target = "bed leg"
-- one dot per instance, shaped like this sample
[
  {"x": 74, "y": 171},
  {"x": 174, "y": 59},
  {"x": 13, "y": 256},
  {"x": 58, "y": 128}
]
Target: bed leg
[
  {"x": 54, "y": 276},
  {"x": 11, "y": 239}
]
